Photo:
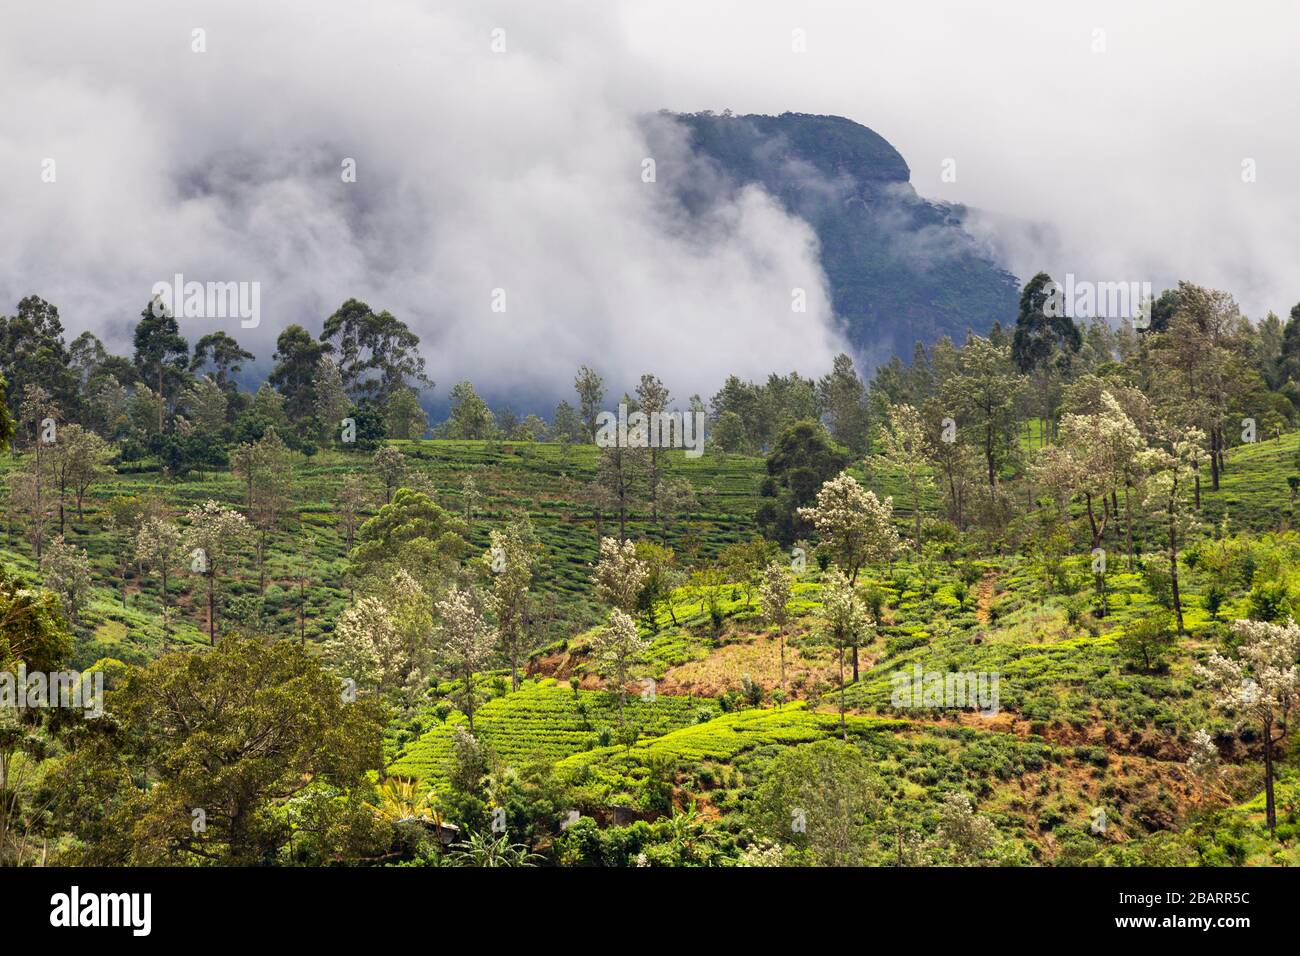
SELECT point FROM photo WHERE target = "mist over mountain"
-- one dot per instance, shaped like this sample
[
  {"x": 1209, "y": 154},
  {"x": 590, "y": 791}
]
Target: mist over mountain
[
  {"x": 224, "y": 165},
  {"x": 901, "y": 269}
]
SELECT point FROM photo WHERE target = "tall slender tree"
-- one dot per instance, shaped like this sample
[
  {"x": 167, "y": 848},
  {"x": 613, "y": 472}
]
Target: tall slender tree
[{"x": 161, "y": 354}]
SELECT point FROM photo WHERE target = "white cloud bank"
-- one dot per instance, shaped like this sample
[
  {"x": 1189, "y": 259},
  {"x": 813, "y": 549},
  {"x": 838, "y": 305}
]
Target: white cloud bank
[
  {"x": 476, "y": 171},
  {"x": 522, "y": 170}
]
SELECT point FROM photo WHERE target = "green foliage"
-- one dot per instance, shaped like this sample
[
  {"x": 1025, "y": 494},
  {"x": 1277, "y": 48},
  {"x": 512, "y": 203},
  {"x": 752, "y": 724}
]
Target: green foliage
[
  {"x": 802, "y": 460},
  {"x": 231, "y": 734},
  {"x": 1159, "y": 582},
  {"x": 33, "y": 630},
  {"x": 1270, "y": 601},
  {"x": 411, "y": 532},
  {"x": 1093, "y": 710},
  {"x": 1146, "y": 642},
  {"x": 819, "y": 799}
]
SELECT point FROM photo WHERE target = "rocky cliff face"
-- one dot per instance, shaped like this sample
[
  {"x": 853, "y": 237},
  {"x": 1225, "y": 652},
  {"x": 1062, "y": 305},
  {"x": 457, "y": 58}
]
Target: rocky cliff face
[{"x": 901, "y": 268}]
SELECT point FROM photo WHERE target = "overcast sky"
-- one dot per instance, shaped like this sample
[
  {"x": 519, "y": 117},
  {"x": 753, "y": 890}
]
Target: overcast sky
[{"x": 1103, "y": 139}]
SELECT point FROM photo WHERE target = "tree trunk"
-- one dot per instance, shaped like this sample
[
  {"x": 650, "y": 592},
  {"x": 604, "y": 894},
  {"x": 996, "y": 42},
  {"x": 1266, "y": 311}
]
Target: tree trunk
[
  {"x": 469, "y": 699},
  {"x": 1270, "y": 808},
  {"x": 781, "y": 639},
  {"x": 261, "y": 563},
  {"x": 212, "y": 609},
  {"x": 40, "y": 505},
  {"x": 654, "y": 485},
  {"x": 1098, "y": 532},
  {"x": 1092, "y": 519},
  {"x": 1173, "y": 566},
  {"x": 844, "y": 727},
  {"x": 1128, "y": 524},
  {"x": 1214, "y": 459},
  {"x": 166, "y": 617}
]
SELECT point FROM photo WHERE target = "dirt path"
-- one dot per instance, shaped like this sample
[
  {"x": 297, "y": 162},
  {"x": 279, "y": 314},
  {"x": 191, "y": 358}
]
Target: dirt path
[{"x": 985, "y": 592}]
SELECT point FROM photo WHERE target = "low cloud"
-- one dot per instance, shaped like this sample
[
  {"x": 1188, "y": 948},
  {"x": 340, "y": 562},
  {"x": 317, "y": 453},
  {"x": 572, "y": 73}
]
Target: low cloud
[{"x": 476, "y": 171}]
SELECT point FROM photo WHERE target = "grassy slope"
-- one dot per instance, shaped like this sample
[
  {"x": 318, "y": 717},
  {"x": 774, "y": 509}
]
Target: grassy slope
[
  {"x": 1079, "y": 730},
  {"x": 543, "y": 721},
  {"x": 546, "y": 480}
]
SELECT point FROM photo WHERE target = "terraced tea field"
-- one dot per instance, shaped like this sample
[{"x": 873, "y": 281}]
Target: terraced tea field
[
  {"x": 549, "y": 481},
  {"x": 543, "y": 721}
]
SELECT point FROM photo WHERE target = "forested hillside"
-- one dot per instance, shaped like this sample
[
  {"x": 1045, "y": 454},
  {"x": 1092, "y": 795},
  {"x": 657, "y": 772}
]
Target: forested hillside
[{"x": 1026, "y": 599}]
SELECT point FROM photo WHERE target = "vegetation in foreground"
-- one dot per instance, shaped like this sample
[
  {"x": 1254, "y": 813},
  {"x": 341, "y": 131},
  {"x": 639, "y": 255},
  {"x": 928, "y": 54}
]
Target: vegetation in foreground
[{"x": 1026, "y": 600}]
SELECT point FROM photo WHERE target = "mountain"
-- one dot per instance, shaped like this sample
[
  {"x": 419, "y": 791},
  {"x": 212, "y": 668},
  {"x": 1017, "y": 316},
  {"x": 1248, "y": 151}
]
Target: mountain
[{"x": 901, "y": 268}]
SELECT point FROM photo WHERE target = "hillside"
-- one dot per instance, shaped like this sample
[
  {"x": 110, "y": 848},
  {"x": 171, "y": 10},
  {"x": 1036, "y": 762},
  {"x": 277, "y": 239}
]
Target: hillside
[
  {"x": 1077, "y": 728},
  {"x": 546, "y": 481},
  {"x": 515, "y": 647}
]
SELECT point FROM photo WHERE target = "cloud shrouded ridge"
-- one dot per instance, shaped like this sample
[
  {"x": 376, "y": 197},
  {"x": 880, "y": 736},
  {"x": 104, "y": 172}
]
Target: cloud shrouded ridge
[{"x": 476, "y": 171}]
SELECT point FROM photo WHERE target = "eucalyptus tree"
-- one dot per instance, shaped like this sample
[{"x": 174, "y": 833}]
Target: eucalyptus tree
[
  {"x": 1092, "y": 458},
  {"x": 775, "y": 593},
  {"x": 214, "y": 538},
  {"x": 844, "y": 622},
  {"x": 1044, "y": 344},
  {"x": 464, "y": 639},
  {"x": 615, "y": 649},
  {"x": 161, "y": 355},
  {"x": 619, "y": 575},
  {"x": 591, "y": 392},
  {"x": 903, "y": 449},
  {"x": 159, "y": 546},
  {"x": 1169, "y": 497},
  {"x": 1261, "y": 683},
  {"x": 856, "y": 526},
  {"x": 981, "y": 398},
  {"x": 512, "y": 558},
  {"x": 376, "y": 352}
]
